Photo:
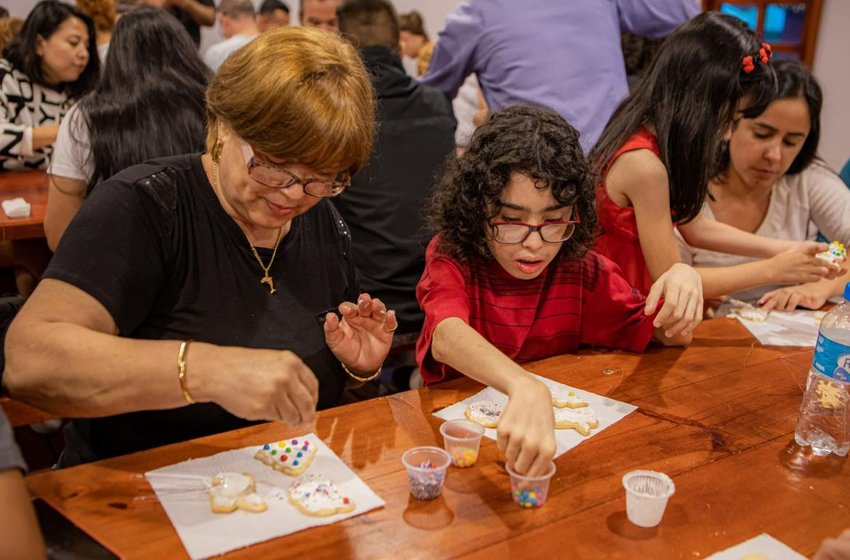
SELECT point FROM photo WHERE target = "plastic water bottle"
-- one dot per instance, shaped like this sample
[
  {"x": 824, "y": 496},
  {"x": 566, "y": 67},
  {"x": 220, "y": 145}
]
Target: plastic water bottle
[{"x": 824, "y": 422}]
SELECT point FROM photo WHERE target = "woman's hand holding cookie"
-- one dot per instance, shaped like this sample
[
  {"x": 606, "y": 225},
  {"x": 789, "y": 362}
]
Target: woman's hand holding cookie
[{"x": 527, "y": 427}]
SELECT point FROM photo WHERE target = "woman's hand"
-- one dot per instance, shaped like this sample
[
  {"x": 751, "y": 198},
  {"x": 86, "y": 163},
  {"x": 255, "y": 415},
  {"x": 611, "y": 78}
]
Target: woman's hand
[
  {"x": 527, "y": 427},
  {"x": 361, "y": 339},
  {"x": 681, "y": 288},
  {"x": 810, "y": 296},
  {"x": 255, "y": 384},
  {"x": 807, "y": 247}
]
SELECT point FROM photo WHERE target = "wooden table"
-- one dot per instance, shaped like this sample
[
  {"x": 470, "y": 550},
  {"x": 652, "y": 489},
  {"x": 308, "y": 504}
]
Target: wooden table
[
  {"x": 718, "y": 417},
  {"x": 32, "y": 186}
]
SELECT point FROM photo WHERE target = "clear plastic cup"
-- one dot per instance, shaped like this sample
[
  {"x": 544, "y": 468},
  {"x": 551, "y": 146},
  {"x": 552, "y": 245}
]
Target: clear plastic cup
[
  {"x": 528, "y": 491},
  {"x": 426, "y": 471},
  {"x": 462, "y": 438},
  {"x": 647, "y": 493}
]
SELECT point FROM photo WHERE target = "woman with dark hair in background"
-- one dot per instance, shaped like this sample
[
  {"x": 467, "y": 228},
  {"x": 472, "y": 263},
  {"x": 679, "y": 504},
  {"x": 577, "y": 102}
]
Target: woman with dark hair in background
[
  {"x": 771, "y": 184},
  {"x": 127, "y": 120},
  {"x": 52, "y": 61}
]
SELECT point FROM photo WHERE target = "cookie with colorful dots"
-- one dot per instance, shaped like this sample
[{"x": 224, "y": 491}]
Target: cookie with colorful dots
[
  {"x": 289, "y": 456},
  {"x": 835, "y": 255},
  {"x": 318, "y": 497}
]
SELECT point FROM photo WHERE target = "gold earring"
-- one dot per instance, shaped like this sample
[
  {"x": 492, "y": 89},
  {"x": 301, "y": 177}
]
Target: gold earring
[{"x": 216, "y": 151}]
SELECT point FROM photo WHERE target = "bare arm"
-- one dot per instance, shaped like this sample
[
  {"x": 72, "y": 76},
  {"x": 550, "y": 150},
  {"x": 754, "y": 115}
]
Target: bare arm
[
  {"x": 639, "y": 179},
  {"x": 200, "y": 13},
  {"x": 811, "y": 295},
  {"x": 723, "y": 238},
  {"x": 44, "y": 135},
  {"x": 784, "y": 268},
  {"x": 64, "y": 198},
  {"x": 527, "y": 427},
  {"x": 19, "y": 531},
  {"x": 63, "y": 355}
]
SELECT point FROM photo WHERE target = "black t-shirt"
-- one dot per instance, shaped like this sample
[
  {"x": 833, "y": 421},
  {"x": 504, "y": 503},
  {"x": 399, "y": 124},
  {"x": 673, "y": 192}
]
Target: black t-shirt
[
  {"x": 385, "y": 206},
  {"x": 191, "y": 26},
  {"x": 155, "y": 247}
]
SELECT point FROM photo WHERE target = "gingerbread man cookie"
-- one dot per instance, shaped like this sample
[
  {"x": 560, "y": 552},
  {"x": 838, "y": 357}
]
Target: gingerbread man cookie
[
  {"x": 232, "y": 491},
  {"x": 582, "y": 420},
  {"x": 566, "y": 398}
]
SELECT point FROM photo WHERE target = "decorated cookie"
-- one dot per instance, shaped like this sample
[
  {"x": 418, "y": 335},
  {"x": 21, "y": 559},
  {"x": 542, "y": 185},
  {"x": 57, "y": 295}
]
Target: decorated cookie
[
  {"x": 835, "y": 255},
  {"x": 747, "y": 311},
  {"x": 582, "y": 420},
  {"x": 318, "y": 497},
  {"x": 485, "y": 413},
  {"x": 232, "y": 491},
  {"x": 289, "y": 456},
  {"x": 566, "y": 398}
]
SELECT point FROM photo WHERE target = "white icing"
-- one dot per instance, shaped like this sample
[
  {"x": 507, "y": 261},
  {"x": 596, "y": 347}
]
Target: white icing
[
  {"x": 230, "y": 485},
  {"x": 585, "y": 417},
  {"x": 317, "y": 494},
  {"x": 253, "y": 499},
  {"x": 486, "y": 410},
  {"x": 568, "y": 396}
]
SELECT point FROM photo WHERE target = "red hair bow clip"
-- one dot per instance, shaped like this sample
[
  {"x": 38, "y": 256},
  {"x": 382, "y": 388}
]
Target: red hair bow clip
[
  {"x": 765, "y": 53},
  {"x": 748, "y": 64}
]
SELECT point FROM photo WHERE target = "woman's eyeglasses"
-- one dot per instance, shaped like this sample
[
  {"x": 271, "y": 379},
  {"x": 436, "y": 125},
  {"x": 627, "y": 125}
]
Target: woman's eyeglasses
[
  {"x": 518, "y": 232},
  {"x": 278, "y": 178}
]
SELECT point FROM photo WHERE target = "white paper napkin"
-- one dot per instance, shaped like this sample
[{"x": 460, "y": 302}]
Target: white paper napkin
[
  {"x": 206, "y": 534},
  {"x": 16, "y": 207},
  {"x": 608, "y": 410},
  {"x": 765, "y": 546}
]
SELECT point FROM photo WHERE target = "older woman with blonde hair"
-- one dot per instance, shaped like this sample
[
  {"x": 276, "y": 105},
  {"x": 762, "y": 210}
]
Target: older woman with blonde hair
[{"x": 194, "y": 293}]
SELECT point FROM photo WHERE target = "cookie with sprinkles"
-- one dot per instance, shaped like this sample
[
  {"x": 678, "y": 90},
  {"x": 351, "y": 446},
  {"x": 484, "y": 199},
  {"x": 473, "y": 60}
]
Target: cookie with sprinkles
[
  {"x": 485, "y": 413},
  {"x": 582, "y": 420},
  {"x": 318, "y": 497},
  {"x": 566, "y": 398},
  {"x": 289, "y": 456}
]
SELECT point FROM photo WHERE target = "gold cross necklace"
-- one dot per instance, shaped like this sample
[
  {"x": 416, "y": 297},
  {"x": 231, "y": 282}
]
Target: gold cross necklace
[{"x": 267, "y": 278}]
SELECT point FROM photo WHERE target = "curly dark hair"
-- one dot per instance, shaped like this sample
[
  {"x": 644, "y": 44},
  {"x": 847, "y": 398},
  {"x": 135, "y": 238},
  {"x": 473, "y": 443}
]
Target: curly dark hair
[{"x": 530, "y": 140}]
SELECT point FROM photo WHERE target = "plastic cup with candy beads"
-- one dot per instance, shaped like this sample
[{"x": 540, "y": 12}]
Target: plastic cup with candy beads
[
  {"x": 530, "y": 491},
  {"x": 426, "y": 471},
  {"x": 462, "y": 438}
]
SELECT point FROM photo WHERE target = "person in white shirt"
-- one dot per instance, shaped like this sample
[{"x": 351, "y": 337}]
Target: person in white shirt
[
  {"x": 772, "y": 184},
  {"x": 238, "y": 22}
]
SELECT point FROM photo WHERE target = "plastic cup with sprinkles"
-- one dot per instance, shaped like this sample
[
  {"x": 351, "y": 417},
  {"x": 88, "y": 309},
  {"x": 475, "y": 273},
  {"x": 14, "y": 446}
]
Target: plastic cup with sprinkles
[
  {"x": 530, "y": 491},
  {"x": 462, "y": 438},
  {"x": 426, "y": 471}
]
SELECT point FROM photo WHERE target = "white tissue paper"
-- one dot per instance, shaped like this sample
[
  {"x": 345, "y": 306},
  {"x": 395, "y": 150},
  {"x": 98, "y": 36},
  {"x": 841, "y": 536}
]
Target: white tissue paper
[{"x": 16, "y": 208}]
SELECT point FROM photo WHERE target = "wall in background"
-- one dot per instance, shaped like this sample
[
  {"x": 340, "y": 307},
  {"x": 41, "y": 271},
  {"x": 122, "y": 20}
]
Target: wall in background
[{"x": 832, "y": 69}]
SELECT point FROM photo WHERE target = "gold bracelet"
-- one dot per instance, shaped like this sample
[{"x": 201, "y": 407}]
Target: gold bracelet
[
  {"x": 357, "y": 377},
  {"x": 181, "y": 371}
]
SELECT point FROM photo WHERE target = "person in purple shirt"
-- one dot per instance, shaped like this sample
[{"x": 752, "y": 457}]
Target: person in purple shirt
[{"x": 564, "y": 55}]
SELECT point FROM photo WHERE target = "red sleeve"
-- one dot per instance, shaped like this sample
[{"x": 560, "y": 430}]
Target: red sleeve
[
  {"x": 612, "y": 312},
  {"x": 442, "y": 293}
]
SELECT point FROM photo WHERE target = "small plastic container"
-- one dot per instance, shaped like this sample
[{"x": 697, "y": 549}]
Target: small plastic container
[
  {"x": 530, "y": 492},
  {"x": 647, "y": 493},
  {"x": 462, "y": 438},
  {"x": 426, "y": 471}
]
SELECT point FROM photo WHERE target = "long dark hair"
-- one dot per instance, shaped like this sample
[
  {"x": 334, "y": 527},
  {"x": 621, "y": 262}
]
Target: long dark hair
[
  {"x": 690, "y": 94},
  {"x": 150, "y": 102},
  {"x": 534, "y": 141},
  {"x": 43, "y": 21},
  {"x": 795, "y": 82}
]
